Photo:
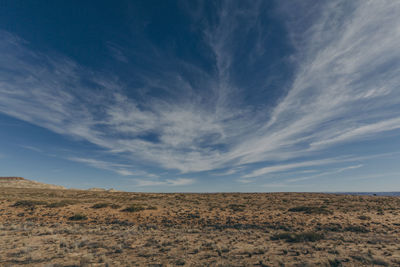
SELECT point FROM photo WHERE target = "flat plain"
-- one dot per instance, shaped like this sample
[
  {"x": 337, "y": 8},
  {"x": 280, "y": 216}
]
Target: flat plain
[{"x": 49, "y": 227}]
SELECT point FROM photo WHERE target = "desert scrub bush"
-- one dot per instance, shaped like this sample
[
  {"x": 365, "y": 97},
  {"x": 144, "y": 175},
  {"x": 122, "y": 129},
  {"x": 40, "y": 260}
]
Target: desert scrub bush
[
  {"x": 335, "y": 263},
  {"x": 311, "y": 210},
  {"x": 331, "y": 227},
  {"x": 180, "y": 262},
  {"x": 381, "y": 262},
  {"x": 236, "y": 207},
  {"x": 356, "y": 229},
  {"x": 78, "y": 217},
  {"x": 62, "y": 203},
  {"x": 28, "y": 203},
  {"x": 138, "y": 207},
  {"x": 369, "y": 260},
  {"x": 133, "y": 208},
  {"x": 298, "y": 237},
  {"x": 100, "y": 205},
  {"x": 363, "y": 217}
]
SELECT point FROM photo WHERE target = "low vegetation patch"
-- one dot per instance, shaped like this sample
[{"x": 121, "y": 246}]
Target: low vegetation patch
[
  {"x": 138, "y": 207},
  {"x": 134, "y": 208},
  {"x": 331, "y": 227},
  {"x": 335, "y": 263},
  {"x": 60, "y": 204},
  {"x": 236, "y": 207},
  {"x": 28, "y": 203},
  {"x": 364, "y": 217},
  {"x": 356, "y": 229},
  {"x": 100, "y": 205},
  {"x": 370, "y": 260},
  {"x": 298, "y": 237},
  {"x": 78, "y": 217},
  {"x": 310, "y": 210},
  {"x": 105, "y": 205}
]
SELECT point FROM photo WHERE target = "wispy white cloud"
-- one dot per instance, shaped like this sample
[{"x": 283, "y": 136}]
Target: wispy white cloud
[
  {"x": 284, "y": 167},
  {"x": 280, "y": 185},
  {"x": 244, "y": 180},
  {"x": 345, "y": 88},
  {"x": 121, "y": 169},
  {"x": 297, "y": 167},
  {"x": 125, "y": 172},
  {"x": 116, "y": 52},
  {"x": 373, "y": 176},
  {"x": 31, "y": 148},
  {"x": 292, "y": 182},
  {"x": 97, "y": 163},
  {"x": 325, "y": 173},
  {"x": 229, "y": 171},
  {"x": 168, "y": 182},
  {"x": 345, "y": 84},
  {"x": 361, "y": 132}
]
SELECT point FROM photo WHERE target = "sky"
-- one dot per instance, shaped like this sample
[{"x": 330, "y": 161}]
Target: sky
[{"x": 202, "y": 96}]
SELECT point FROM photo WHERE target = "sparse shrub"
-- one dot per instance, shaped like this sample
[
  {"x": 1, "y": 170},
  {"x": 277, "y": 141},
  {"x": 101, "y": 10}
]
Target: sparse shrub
[
  {"x": 115, "y": 206},
  {"x": 380, "y": 262},
  {"x": 179, "y": 197},
  {"x": 258, "y": 251},
  {"x": 311, "y": 210},
  {"x": 331, "y": 227},
  {"x": 236, "y": 207},
  {"x": 78, "y": 217},
  {"x": 28, "y": 203},
  {"x": 361, "y": 258},
  {"x": 356, "y": 229},
  {"x": 134, "y": 208},
  {"x": 138, "y": 207},
  {"x": 100, "y": 205},
  {"x": 60, "y": 204},
  {"x": 298, "y": 237},
  {"x": 363, "y": 217},
  {"x": 335, "y": 263},
  {"x": 180, "y": 262},
  {"x": 85, "y": 261}
]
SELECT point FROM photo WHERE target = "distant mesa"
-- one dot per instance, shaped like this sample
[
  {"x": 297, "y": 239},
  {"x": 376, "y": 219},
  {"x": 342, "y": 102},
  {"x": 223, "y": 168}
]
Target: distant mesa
[
  {"x": 11, "y": 179},
  {"x": 112, "y": 190},
  {"x": 97, "y": 189},
  {"x": 19, "y": 182}
]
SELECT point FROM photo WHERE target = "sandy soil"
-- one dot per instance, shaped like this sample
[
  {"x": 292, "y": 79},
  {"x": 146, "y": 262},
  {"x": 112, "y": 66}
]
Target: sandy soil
[{"x": 41, "y": 227}]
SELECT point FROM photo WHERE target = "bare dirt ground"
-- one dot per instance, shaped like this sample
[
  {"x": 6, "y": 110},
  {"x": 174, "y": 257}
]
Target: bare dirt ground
[{"x": 42, "y": 227}]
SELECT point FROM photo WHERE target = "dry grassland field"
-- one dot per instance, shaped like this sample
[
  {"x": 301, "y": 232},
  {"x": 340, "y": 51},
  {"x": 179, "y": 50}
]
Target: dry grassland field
[{"x": 43, "y": 227}]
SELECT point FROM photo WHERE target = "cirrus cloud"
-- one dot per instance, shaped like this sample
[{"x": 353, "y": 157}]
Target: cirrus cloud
[{"x": 345, "y": 88}]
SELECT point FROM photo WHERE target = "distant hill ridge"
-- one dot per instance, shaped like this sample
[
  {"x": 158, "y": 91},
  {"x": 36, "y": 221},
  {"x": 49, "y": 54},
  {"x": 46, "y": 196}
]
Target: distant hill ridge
[
  {"x": 97, "y": 189},
  {"x": 20, "y": 182},
  {"x": 11, "y": 178}
]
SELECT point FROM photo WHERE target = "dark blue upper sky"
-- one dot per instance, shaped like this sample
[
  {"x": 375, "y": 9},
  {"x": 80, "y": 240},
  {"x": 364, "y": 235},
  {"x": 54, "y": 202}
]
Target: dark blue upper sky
[{"x": 201, "y": 95}]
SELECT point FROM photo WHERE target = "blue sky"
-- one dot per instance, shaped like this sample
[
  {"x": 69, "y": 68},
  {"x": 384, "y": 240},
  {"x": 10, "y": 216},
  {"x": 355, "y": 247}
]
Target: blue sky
[{"x": 202, "y": 96}]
